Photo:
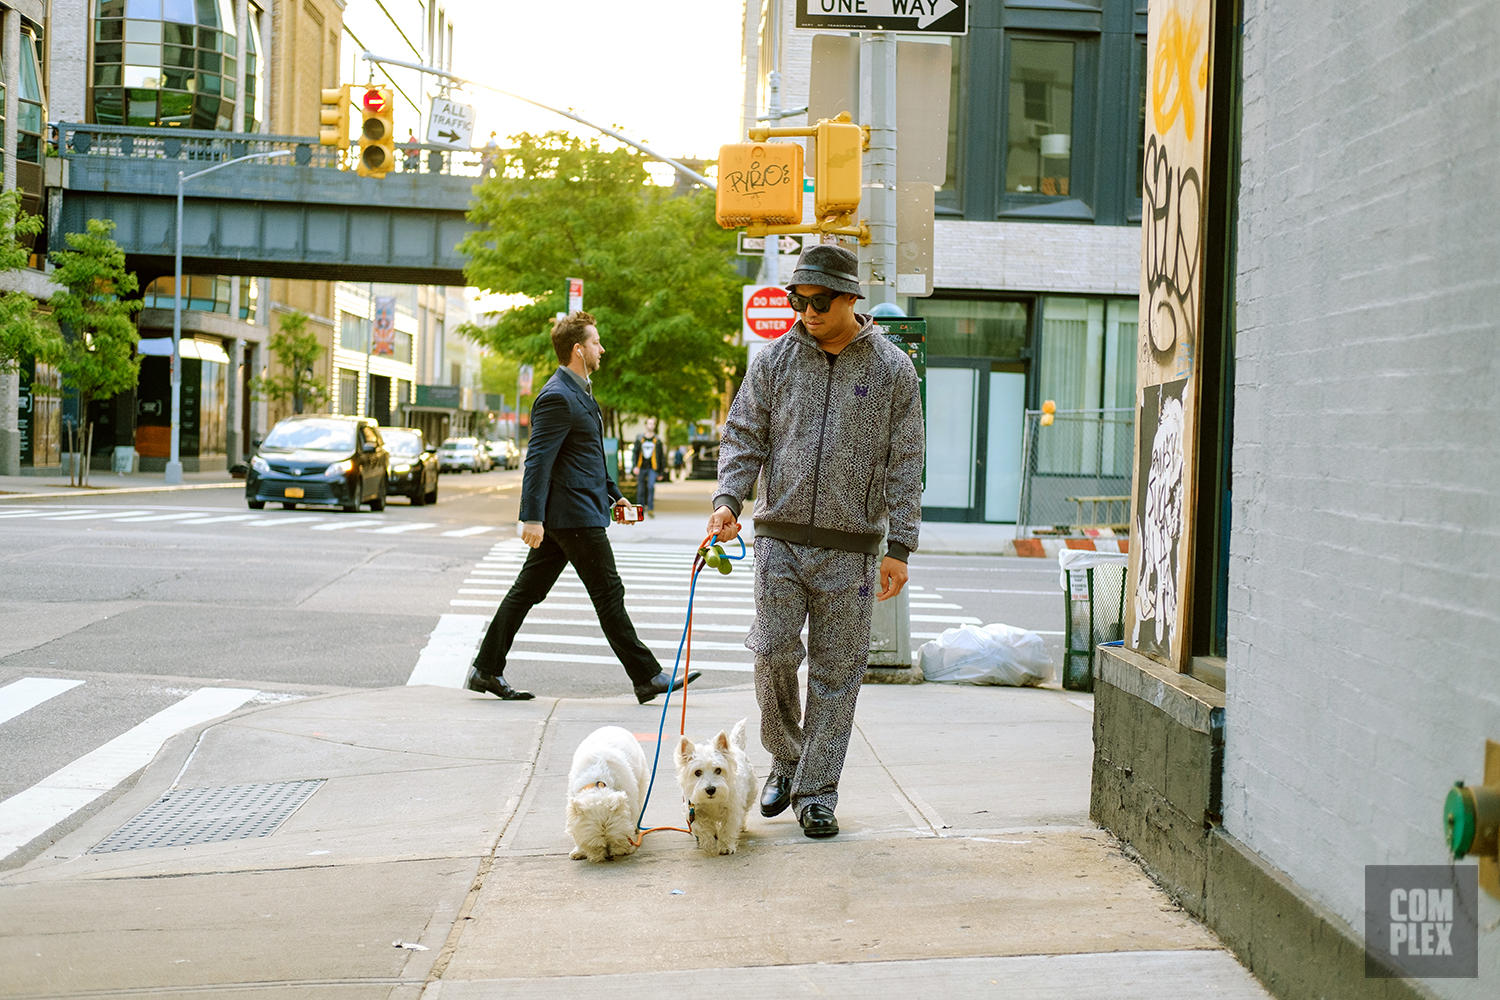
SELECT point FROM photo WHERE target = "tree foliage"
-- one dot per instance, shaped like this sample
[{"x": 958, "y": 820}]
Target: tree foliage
[
  {"x": 23, "y": 332},
  {"x": 96, "y": 354},
  {"x": 658, "y": 272},
  {"x": 297, "y": 350}
]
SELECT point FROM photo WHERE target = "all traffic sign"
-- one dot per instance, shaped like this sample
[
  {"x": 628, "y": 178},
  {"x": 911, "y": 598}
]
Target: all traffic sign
[
  {"x": 450, "y": 123},
  {"x": 931, "y": 17},
  {"x": 767, "y": 313}
]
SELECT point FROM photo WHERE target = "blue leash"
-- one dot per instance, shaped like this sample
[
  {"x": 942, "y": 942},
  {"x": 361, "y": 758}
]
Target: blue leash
[{"x": 698, "y": 565}]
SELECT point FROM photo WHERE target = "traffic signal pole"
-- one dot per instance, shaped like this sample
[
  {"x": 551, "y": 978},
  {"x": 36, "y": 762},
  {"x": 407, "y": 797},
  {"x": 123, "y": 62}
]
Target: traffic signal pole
[{"x": 880, "y": 185}]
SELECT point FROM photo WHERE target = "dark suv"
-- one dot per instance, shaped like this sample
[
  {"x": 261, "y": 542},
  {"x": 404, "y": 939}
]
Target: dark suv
[{"x": 319, "y": 459}]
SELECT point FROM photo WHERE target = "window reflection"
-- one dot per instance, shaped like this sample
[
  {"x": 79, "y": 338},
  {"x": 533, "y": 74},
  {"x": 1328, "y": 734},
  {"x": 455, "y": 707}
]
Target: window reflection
[{"x": 1038, "y": 155}]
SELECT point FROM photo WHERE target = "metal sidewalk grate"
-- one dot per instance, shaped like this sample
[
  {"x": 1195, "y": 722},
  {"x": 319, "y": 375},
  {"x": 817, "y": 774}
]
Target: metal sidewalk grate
[{"x": 208, "y": 815}]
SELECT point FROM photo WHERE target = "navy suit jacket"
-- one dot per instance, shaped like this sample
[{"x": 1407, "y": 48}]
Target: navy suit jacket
[{"x": 567, "y": 483}]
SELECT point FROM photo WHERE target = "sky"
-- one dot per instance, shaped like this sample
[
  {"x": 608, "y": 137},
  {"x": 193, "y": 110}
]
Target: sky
[{"x": 666, "y": 75}]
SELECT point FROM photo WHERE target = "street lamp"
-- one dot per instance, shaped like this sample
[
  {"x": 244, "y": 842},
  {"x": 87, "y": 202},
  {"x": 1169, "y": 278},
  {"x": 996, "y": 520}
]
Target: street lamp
[{"x": 174, "y": 463}]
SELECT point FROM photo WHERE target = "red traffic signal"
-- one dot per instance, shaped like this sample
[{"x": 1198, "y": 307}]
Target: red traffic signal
[{"x": 374, "y": 102}]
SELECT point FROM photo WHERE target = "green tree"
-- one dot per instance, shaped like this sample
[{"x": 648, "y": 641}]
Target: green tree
[
  {"x": 297, "y": 350},
  {"x": 658, "y": 273},
  {"x": 23, "y": 332},
  {"x": 94, "y": 310}
]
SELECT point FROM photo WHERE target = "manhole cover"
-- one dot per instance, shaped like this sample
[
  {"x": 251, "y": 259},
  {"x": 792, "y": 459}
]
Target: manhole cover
[{"x": 208, "y": 815}]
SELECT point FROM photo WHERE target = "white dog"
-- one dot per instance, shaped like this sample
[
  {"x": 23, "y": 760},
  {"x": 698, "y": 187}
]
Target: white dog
[
  {"x": 718, "y": 786},
  {"x": 606, "y": 788}
]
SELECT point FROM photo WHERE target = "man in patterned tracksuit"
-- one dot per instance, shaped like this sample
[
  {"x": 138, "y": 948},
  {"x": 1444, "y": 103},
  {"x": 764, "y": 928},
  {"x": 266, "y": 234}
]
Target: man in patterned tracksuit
[{"x": 829, "y": 418}]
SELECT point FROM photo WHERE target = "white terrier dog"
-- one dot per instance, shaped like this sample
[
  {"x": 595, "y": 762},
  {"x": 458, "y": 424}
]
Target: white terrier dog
[
  {"x": 718, "y": 786},
  {"x": 606, "y": 788}
]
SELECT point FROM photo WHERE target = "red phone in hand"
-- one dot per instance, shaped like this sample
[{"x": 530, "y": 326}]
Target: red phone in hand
[{"x": 629, "y": 513}]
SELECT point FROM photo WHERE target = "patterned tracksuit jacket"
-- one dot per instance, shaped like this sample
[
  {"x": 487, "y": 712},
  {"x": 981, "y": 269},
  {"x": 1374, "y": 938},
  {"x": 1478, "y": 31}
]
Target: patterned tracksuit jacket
[{"x": 837, "y": 446}]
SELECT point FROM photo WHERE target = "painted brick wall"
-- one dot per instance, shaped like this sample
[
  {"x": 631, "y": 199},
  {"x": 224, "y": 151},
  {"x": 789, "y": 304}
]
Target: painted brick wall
[
  {"x": 1365, "y": 561},
  {"x": 1037, "y": 257}
]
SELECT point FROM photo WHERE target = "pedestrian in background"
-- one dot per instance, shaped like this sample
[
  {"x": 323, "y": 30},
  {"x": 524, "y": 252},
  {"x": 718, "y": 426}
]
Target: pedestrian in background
[
  {"x": 830, "y": 415},
  {"x": 648, "y": 459},
  {"x": 566, "y": 494},
  {"x": 679, "y": 462},
  {"x": 488, "y": 157}
]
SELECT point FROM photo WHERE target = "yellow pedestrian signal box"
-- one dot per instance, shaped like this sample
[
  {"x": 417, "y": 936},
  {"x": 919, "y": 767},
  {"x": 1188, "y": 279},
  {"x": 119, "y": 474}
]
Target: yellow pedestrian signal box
[
  {"x": 838, "y": 168},
  {"x": 335, "y": 118},
  {"x": 760, "y": 182},
  {"x": 377, "y": 141}
]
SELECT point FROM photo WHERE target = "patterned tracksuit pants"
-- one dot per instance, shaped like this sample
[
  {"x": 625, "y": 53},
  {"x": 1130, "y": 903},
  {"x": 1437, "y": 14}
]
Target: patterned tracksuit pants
[{"x": 833, "y": 592}]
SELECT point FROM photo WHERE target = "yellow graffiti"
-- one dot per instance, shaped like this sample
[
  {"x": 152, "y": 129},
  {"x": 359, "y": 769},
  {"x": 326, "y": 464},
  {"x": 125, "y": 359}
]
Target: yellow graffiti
[{"x": 1172, "y": 74}]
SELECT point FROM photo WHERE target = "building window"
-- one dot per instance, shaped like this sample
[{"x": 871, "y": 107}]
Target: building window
[
  {"x": 1088, "y": 349},
  {"x": 29, "y": 102},
  {"x": 165, "y": 63},
  {"x": 1039, "y": 130},
  {"x": 205, "y": 293},
  {"x": 354, "y": 332},
  {"x": 348, "y": 392},
  {"x": 960, "y": 328}
]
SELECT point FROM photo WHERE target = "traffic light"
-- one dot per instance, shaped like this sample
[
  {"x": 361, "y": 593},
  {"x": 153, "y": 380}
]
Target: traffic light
[
  {"x": 837, "y": 169},
  {"x": 335, "y": 118},
  {"x": 760, "y": 182},
  {"x": 377, "y": 142}
]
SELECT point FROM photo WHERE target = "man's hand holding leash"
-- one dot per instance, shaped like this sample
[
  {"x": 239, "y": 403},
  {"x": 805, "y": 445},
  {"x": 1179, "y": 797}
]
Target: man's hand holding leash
[{"x": 722, "y": 523}]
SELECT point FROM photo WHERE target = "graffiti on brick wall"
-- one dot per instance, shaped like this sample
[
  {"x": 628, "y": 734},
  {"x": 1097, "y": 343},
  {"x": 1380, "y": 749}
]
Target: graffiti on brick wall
[{"x": 1159, "y": 518}]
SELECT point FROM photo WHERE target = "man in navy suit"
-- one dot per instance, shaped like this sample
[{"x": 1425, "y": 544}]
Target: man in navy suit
[{"x": 566, "y": 495}]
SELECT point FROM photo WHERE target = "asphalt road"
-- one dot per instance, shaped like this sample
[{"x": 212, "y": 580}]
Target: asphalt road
[{"x": 146, "y": 598}]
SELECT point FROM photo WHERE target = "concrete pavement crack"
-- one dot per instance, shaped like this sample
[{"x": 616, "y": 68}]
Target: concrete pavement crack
[
  {"x": 909, "y": 801},
  {"x": 374, "y": 554},
  {"x": 512, "y": 810}
]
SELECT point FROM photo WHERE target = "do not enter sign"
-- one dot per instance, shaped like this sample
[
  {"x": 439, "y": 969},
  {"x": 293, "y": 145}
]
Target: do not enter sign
[{"x": 767, "y": 313}]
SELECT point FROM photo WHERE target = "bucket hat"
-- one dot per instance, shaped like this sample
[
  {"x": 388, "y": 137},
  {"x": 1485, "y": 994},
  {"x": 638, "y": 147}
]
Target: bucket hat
[{"x": 830, "y": 266}]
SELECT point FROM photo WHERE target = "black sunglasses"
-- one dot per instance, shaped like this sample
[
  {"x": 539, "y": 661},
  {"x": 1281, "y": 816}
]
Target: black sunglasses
[{"x": 822, "y": 302}]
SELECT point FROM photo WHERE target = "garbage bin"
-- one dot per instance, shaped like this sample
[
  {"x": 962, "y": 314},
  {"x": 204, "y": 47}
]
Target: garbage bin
[{"x": 1093, "y": 585}]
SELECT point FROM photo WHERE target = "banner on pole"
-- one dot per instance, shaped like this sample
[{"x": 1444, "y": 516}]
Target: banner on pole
[{"x": 385, "y": 326}]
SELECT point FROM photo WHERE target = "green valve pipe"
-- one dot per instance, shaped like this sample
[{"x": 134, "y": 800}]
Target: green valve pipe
[{"x": 1471, "y": 820}]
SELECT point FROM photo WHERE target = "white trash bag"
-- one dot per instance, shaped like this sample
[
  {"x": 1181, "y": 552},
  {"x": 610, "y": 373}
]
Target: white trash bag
[{"x": 992, "y": 654}]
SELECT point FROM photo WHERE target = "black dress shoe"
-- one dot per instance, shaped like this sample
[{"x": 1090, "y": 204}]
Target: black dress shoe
[
  {"x": 497, "y": 686},
  {"x": 660, "y": 684},
  {"x": 817, "y": 821},
  {"x": 776, "y": 796}
]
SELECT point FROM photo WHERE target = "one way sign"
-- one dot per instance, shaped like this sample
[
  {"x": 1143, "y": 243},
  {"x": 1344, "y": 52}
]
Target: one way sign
[
  {"x": 450, "y": 123},
  {"x": 930, "y": 17}
]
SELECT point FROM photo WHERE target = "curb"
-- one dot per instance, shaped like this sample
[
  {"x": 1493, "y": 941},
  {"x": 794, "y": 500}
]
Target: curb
[{"x": 1047, "y": 548}]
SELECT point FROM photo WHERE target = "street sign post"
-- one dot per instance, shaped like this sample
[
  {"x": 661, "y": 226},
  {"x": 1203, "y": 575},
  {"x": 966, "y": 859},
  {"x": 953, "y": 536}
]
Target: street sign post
[
  {"x": 767, "y": 314},
  {"x": 450, "y": 123},
  {"x": 928, "y": 17},
  {"x": 754, "y": 246},
  {"x": 575, "y": 295}
]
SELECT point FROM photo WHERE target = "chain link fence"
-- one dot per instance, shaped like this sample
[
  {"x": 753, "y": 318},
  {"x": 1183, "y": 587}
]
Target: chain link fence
[{"x": 1076, "y": 472}]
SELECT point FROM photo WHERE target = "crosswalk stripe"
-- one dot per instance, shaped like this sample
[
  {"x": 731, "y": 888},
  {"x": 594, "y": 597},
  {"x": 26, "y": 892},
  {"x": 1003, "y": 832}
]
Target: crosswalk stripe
[
  {"x": 397, "y": 529},
  {"x": 12, "y": 512},
  {"x": 95, "y": 514},
  {"x": 520, "y": 656},
  {"x": 31, "y": 813},
  {"x": 592, "y": 640},
  {"x": 29, "y": 692},
  {"x": 340, "y": 525},
  {"x": 224, "y": 517},
  {"x": 271, "y": 522},
  {"x": 444, "y": 661},
  {"x": 466, "y": 532},
  {"x": 948, "y": 619},
  {"x": 632, "y": 609},
  {"x": 674, "y": 628},
  {"x": 137, "y": 519}
]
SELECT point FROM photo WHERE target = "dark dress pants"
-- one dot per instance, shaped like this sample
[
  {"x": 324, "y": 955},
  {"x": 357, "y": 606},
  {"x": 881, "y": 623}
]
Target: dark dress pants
[{"x": 589, "y": 551}]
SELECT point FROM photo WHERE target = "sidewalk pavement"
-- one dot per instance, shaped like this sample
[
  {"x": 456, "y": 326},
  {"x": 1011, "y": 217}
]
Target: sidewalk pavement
[
  {"x": 432, "y": 863},
  {"x": 24, "y": 487}
]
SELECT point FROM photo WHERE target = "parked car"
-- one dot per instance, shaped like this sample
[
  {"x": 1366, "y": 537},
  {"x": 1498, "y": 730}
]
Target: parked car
[
  {"x": 319, "y": 459},
  {"x": 460, "y": 454},
  {"x": 504, "y": 453},
  {"x": 413, "y": 470}
]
